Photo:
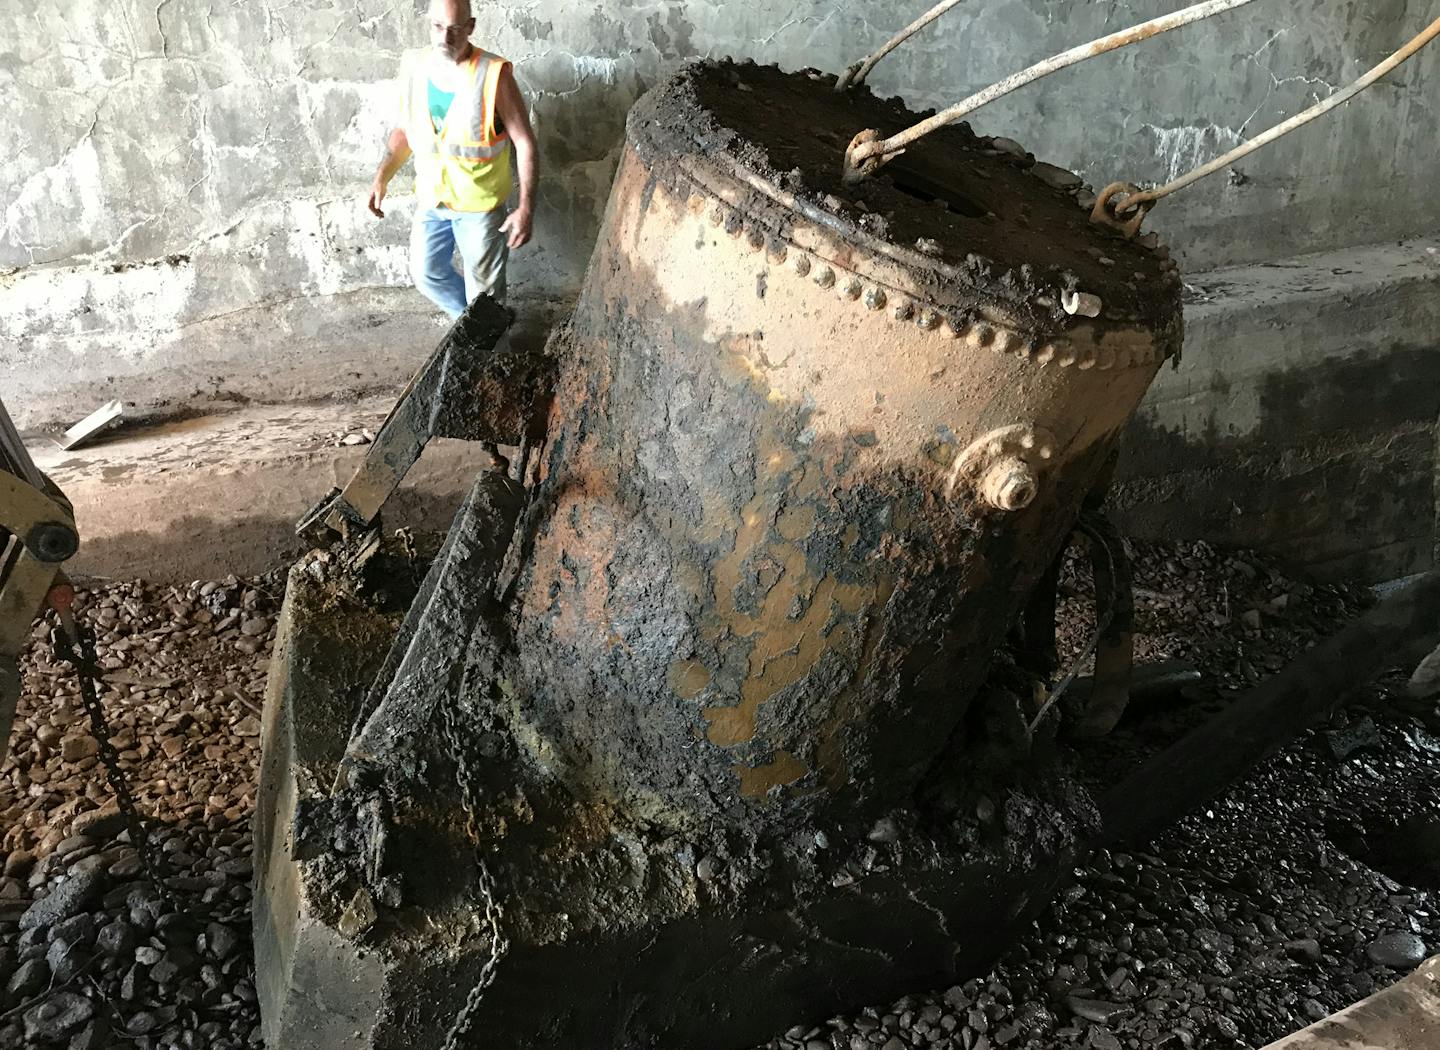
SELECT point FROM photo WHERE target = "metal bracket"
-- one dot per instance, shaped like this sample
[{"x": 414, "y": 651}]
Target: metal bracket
[
  {"x": 37, "y": 534},
  {"x": 470, "y": 388},
  {"x": 1003, "y": 467}
]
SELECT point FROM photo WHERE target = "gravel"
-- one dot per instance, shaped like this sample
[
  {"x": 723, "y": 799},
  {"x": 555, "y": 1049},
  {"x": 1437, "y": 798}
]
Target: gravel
[
  {"x": 1276, "y": 905},
  {"x": 91, "y": 954}
]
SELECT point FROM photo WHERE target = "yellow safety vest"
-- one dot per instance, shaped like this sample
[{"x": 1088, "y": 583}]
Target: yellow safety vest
[{"x": 466, "y": 164}]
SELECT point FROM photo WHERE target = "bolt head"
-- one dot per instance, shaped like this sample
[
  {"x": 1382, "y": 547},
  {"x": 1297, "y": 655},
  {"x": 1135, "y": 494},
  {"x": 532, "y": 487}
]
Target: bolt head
[
  {"x": 1010, "y": 485},
  {"x": 875, "y": 298}
]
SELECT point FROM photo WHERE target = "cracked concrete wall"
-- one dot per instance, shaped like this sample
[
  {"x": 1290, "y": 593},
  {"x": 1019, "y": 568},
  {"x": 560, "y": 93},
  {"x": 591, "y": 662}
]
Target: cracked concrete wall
[{"x": 180, "y": 219}]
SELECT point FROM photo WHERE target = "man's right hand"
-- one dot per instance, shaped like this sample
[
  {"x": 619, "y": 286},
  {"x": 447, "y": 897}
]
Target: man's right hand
[{"x": 377, "y": 197}]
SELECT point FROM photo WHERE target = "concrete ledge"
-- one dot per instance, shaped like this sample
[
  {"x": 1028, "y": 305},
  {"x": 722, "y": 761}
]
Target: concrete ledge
[
  {"x": 221, "y": 493},
  {"x": 1302, "y": 421}
]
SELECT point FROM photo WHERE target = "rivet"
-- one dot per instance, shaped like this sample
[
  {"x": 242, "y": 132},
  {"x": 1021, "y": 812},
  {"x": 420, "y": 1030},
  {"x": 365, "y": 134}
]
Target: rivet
[
  {"x": 875, "y": 298},
  {"x": 852, "y": 289},
  {"x": 801, "y": 264},
  {"x": 904, "y": 310},
  {"x": 928, "y": 320},
  {"x": 755, "y": 237},
  {"x": 1045, "y": 354},
  {"x": 1104, "y": 357},
  {"x": 984, "y": 335},
  {"x": 777, "y": 251},
  {"x": 1064, "y": 354},
  {"x": 734, "y": 224},
  {"x": 825, "y": 277},
  {"x": 955, "y": 327},
  {"x": 717, "y": 215},
  {"x": 1009, "y": 342},
  {"x": 1085, "y": 358},
  {"x": 1122, "y": 358}
]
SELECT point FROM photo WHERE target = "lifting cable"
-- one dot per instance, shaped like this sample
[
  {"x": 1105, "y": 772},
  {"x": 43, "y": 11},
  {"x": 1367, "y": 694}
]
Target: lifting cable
[
  {"x": 868, "y": 152},
  {"x": 857, "y": 73},
  {"x": 1107, "y": 212}
]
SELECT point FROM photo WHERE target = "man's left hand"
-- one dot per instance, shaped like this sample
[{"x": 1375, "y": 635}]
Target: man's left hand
[{"x": 516, "y": 227}]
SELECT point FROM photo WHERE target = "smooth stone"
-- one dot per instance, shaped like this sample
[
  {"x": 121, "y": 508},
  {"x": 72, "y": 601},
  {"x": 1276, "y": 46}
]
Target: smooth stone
[{"x": 1398, "y": 951}]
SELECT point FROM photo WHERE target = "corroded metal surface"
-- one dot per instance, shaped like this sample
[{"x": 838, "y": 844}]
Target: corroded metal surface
[
  {"x": 802, "y": 468},
  {"x": 810, "y": 447}
]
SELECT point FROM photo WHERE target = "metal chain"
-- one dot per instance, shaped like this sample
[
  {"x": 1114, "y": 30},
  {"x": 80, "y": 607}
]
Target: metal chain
[
  {"x": 75, "y": 645},
  {"x": 467, "y": 780}
]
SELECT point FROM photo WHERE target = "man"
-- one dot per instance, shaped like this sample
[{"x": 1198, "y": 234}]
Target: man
[{"x": 461, "y": 112}]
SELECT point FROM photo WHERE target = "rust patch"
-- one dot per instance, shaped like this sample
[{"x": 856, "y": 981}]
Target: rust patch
[
  {"x": 757, "y": 781},
  {"x": 688, "y": 678}
]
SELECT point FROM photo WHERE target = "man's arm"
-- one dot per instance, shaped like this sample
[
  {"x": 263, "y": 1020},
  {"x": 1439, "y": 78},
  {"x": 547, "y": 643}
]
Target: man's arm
[
  {"x": 397, "y": 152},
  {"x": 510, "y": 106}
]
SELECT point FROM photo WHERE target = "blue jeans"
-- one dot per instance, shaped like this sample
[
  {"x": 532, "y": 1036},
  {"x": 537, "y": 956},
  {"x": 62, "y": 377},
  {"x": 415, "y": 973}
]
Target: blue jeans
[{"x": 436, "y": 234}]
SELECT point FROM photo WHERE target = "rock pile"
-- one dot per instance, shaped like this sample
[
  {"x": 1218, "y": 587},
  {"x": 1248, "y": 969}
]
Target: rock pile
[
  {"x": 92, "y": 953},
  {"x": 1248, "y": 920}
]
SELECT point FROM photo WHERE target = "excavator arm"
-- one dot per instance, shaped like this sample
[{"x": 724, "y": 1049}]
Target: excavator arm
[{"x": 37, "y": 535}]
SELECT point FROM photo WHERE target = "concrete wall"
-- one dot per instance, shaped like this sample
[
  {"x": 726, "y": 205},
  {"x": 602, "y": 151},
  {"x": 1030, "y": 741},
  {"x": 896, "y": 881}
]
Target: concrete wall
[
  {"x": 1303, "y": 420},
  {"x": 180, "y": 221},
  {"x": 180, "y": 218}
]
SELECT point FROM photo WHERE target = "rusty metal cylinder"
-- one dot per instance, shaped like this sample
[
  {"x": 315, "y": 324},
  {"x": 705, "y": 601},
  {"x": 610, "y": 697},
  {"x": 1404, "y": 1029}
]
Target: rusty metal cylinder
[{"x": 811, "y": 447}]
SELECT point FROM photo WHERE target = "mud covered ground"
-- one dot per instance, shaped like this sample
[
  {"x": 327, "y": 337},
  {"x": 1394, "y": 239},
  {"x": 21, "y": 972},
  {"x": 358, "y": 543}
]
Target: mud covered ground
[{"x": 1304, "y": 889}]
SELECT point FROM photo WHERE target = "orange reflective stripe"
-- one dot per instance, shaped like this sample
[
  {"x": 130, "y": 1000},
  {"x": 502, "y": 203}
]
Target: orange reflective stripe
[
  {"x": 464, "y": 164},
  {"x": 493, "y": 73},
  {"x": 480, "y": 103},
  {"x": 481, "y": 124}
]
